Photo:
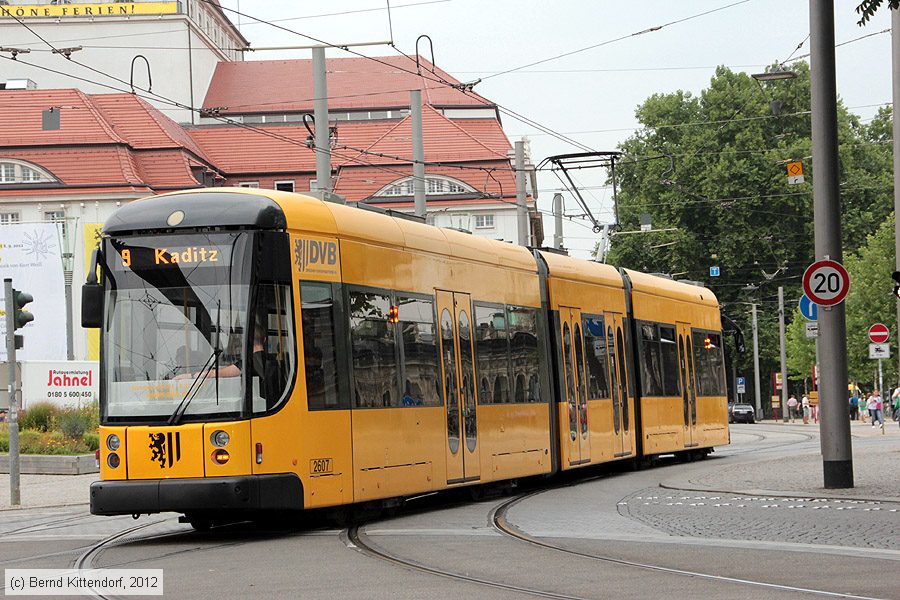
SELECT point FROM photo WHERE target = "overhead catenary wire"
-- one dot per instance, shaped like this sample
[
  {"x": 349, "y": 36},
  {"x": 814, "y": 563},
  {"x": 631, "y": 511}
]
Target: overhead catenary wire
[
  {"x": 433, "y": 77},
  {"x": 611, "y": 41}
]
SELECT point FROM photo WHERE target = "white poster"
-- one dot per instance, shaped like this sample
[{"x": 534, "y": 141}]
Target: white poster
[
  {"x": 30, "y": 256},
  {"x": 63, "y": 383}
]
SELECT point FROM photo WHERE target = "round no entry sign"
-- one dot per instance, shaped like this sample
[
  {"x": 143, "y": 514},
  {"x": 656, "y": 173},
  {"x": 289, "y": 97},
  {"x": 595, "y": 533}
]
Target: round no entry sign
[{"x": 879, "y": 333}]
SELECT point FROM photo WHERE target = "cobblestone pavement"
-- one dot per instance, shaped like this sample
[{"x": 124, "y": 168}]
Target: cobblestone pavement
[{"x": 802, "y": 520}]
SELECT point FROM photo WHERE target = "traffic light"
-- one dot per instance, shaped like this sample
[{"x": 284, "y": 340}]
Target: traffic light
[
  {"x": 896, "y": 278},
  {"x": 21, "y": 317}
]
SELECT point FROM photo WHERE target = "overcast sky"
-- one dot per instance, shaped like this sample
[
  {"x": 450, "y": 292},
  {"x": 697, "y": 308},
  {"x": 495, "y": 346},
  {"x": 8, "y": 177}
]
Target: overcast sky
[{"x": 591, "y": 95}]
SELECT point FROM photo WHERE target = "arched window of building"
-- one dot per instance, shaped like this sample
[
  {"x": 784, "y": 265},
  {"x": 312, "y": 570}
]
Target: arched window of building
[
  {"x": 17, "y": 171},
  {"x": 434, "y": 186}
]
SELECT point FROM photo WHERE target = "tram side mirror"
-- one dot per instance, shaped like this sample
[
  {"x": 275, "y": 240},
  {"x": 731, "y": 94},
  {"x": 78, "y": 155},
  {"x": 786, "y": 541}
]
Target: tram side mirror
[
  {"x": 92, "y": 298},
  {"x": 91, "y": 305}
]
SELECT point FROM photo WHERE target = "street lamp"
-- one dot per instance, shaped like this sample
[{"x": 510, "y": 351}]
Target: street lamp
[{"x": 776, "y": 74}]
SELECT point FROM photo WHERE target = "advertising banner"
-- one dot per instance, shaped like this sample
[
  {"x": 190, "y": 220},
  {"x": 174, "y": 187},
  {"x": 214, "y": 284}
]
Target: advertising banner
[
  {"x": 30, "y": 255},
  {"x": 63, "y": 383}
]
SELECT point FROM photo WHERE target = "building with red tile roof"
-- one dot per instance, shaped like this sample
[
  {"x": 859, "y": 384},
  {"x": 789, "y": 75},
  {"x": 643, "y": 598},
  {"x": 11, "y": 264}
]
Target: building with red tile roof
[
  {"x": 285, "y": 86},
  {"x": 469, "y": 177},
  {"x": 71, "y": 156}
]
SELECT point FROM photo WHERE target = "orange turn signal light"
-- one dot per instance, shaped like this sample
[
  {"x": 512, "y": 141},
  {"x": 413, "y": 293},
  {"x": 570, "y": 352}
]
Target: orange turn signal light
[{"x": 220, "y": 456}]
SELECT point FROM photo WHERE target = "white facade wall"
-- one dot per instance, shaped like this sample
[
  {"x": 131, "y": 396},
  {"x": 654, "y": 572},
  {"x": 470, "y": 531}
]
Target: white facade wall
[
  {"x": 504, "y": 228},
  {"x": 182, "y": 55}
]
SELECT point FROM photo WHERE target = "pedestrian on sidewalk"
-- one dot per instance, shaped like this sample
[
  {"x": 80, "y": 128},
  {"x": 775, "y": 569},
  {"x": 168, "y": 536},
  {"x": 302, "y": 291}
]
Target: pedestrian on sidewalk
[
  {"x": 864, "y": 406},
  {"x": 896, "y": 404},
  {"x": 792, "y": 407},
  {"x": 854, "y": 406},
  {"x": 804, "y": 402},
  {"x": 875, "y": 408}
]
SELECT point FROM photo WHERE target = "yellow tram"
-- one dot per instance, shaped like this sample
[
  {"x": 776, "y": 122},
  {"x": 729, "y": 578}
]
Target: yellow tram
[{"x": 263, "y": 350}]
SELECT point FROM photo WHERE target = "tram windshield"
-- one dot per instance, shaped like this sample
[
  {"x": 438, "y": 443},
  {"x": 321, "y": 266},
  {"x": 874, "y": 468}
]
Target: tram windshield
[{"x": 176, "y": 320}]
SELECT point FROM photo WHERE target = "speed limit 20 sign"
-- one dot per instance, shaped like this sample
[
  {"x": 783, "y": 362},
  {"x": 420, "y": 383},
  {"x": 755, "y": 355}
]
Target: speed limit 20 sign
[{"x": 826, "y": 282}]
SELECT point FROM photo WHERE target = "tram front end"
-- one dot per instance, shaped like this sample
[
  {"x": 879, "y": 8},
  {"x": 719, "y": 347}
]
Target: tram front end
[{"x": 191, "y": 293}]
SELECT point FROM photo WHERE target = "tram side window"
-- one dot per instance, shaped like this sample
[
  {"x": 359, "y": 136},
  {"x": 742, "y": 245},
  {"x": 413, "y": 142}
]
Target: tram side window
[
  {"x": 418, "y": 352},
  {"x": 273, "y": 346},
  {"x": 372, "y": 347},
  {"x": 669, "y": 356},
  {"x": 651, "y": 361},
  {"x": 524, "y": 356},
  {"x": 709, "y": 363},
  {"x": 595, "y": 354},
  {"x": 659, "y": 359},
  {"x": 319, "y": 348},
  {"x": 491, "y": 352}
]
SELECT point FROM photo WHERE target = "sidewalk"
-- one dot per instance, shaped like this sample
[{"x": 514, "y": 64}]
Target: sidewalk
[
  {"x": 876, "y": 459},
  {"x": 40, "y": 491}
]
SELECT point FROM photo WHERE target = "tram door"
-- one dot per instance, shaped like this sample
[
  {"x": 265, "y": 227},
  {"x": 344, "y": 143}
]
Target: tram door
[
  {"x": 618, "y": 384},
  {"x": 458, "y": 375},
  {"x": 688, "y": 390},
  {"x": 575, "y": 385}
]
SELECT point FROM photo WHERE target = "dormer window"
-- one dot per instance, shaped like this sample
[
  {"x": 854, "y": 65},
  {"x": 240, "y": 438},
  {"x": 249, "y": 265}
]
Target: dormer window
[
  {"x": 17, "y": 171},
  {"x": 434, "y": 186}
]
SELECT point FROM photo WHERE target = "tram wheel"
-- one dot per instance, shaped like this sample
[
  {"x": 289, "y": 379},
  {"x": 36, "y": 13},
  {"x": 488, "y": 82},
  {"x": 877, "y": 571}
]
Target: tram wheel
[{"x": 199, "y": 522}]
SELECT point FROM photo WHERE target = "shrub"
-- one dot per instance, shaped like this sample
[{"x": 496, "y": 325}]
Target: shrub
[
  {"x": 72, "y": 425},
  {"x": 38, "y": 417},
  {"x": 75, "y": 422},
  {"x": 31, "y": 442},
  {"x": 92, "y": 440}
]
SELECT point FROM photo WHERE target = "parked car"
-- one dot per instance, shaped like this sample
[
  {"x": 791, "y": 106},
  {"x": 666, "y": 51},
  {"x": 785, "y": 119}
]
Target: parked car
[{"x": 741, "y": 413}]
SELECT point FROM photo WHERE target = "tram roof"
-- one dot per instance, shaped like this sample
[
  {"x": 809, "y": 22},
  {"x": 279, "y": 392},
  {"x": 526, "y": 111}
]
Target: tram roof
[
  {"x": 237, "y": 206},
  {"x": 585, "y": 271},
  {"x": 668, "y": 288}
]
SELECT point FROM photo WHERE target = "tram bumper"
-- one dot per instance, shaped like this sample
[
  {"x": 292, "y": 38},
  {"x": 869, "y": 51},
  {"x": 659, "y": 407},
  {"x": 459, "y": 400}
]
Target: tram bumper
[{"x": 281, "y": 491}]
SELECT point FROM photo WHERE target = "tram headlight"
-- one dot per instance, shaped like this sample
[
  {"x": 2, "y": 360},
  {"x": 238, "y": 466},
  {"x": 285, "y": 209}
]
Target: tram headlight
[
  {"x": 113, "y": 460},
  {"x": 113, "y": 442},
  {"x": 219, "y": 438},
  {"x": 220, "y": 456}
]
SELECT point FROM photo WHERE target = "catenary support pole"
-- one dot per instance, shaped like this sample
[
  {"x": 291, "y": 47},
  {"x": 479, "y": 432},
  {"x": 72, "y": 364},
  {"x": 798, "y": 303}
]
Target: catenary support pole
[
  {"x": 895, "y": 68},
  {"x": 320, "y": 115},
  {"x": 834, "y": 425},
  {"x": 70, "y": 334},
  {"x": 11, "y": 390},
  {"x": 418, "y": 148},
  {"x": 521, "y": 208},
  {"x": 756, "y": 386},
  {"x": 558, "y": 220},
  {"x": 784, "y": 381}
]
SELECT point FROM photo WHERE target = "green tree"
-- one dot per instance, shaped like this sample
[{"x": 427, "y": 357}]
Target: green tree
[
  {"x": 871, "y": 301},
  {"x": 868, "y": 8},
  {"x": 713, "y": 168}
]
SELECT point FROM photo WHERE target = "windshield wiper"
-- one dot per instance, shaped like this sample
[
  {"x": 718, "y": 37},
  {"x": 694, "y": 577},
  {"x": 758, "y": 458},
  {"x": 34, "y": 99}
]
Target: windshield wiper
[
  {"x": 211, "y": 362},
  {"x": 195, "y": 387}
]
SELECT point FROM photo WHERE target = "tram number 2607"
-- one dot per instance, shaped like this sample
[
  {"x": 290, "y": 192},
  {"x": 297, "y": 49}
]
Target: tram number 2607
[{"x": 320, "y": 466}]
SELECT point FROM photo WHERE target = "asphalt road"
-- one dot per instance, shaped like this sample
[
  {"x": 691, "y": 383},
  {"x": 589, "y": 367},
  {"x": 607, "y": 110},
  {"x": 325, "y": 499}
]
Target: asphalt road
[{"x": 618, "y": 535}]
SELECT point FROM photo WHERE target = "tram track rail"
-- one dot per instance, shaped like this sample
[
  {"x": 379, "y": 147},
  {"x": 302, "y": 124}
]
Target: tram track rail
[
  {"x": 359, "y": 541},
  {"x": 499, "y": 521}
]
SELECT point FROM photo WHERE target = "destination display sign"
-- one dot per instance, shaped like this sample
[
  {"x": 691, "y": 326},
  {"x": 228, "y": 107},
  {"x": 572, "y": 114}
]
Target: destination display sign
[{"x": 138, "y": 258}]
